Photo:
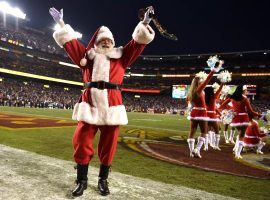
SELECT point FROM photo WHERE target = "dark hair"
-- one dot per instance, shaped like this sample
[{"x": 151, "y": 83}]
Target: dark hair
[
  {"x": 209, "y": 94},
  {"x": 238, "y": 94}
]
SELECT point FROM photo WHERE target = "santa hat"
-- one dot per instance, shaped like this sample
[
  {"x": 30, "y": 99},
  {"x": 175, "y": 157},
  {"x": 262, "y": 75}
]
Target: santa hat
[{"x": 101, "y": 33}]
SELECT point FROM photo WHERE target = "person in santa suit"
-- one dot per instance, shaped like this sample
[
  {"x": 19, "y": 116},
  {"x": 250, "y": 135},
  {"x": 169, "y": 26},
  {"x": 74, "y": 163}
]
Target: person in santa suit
[
  {"x": 241, "y": 108},
  {"x": 198, "y": 115},
  {"x": 100, "y": 106},
  {"x": 213, "y": 118},
  {"x": 254, "y": 137}
]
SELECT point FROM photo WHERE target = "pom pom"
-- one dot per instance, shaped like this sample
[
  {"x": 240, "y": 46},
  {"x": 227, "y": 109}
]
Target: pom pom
[
  {"x": 215, "y": 86},
  {"x": 211, "y": 62},
  {"x": 266, "y": 117},
  {"x": 227, "y": 116},
  {"x": 224, "y": 91},
  {"x": 225, "y": 76},
  {"x": 202, "y": 75},
  {"x": 83, "y": 62}
]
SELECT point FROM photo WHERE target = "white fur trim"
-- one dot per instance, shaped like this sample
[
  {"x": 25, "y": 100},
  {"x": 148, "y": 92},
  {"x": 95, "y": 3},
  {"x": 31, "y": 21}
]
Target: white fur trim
[
  {"x": 239, "y": 124},
  {"x": 104, "y": 32},
  {"x": 101, "y": 68},
  {"x": 75, "y": 111},
  {"x": 64, "y": 35},
  {"x": 214, "y": 120},
  {"x": 143, "y": 34},
  {"x": 115, "y": 53},
  {"x": 114, "y": 115},
  {"x": 251, "y": 145},
  {"x": 198, "y": 118}
]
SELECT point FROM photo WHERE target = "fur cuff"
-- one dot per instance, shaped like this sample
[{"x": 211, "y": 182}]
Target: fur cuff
[
  {"x": 143, "y": 34},
  {"x": 64, "y": 35},
  {"x": 114, "y": 115}
]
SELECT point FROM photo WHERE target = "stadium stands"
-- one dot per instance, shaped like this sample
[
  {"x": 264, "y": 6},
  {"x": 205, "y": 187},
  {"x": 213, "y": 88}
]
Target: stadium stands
[{"x": 35, "y": 52}]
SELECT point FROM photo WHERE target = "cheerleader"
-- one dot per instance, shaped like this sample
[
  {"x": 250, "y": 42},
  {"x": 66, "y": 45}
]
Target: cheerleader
[
  {"x": 240, "y": 107},
  {"x": 198, "y": 115},
  {"x": 254, "y": 137},
  {"x": 213, "y": 116}
]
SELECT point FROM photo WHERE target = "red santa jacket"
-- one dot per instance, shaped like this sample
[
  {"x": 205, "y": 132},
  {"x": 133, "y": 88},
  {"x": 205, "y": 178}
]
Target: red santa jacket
[
  {"x": 253, "y": 134},
  {"x": 242, "y": 106},
  {"x": 198, "y": 111},
  {"x": 103, "y": 107}
]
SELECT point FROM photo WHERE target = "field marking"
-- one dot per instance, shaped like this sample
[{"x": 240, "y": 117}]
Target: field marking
[
  {"x": 137, "y": 126},
  {"x": 27, "y": 175},
  {"x": 150, "y": 152},
  {"x": 152, "y": 120}
]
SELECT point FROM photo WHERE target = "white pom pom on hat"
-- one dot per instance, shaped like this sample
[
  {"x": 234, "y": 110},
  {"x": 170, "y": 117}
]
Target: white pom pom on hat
[{"x": 101, "y": 33}]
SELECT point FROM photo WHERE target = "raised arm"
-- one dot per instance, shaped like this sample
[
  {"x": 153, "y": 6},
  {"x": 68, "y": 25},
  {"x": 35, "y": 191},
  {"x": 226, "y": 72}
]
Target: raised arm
[
  {"x": 218, "y": 91},
  {"x": 225, "y": 103},
  {"x": 205, "y": 82},
  {"x": 142, "y": 35},
  {"x": 211, "y": 62},
  {"x": 65, "y": 37}
]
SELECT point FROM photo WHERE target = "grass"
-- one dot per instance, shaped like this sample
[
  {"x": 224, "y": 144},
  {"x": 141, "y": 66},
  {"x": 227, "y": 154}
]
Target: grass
[{"x": 56, "y": 142}]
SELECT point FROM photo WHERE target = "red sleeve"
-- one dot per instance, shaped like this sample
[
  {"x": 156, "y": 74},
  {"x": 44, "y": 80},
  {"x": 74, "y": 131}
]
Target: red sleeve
[
  {"x": 218, "y": 112},
  {"x": 218, "y": 91},
  {"x": 131, "y": 52},
  {"x": 249, "y": 108},
  {"x": 76, "y": 51},
  {"x": 225, "y": 103},
  {"x": 203, "y": 85}
]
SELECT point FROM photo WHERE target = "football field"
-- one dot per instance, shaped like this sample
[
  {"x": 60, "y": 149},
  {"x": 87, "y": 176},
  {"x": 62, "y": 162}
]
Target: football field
[{"x": 149, "y": 148}]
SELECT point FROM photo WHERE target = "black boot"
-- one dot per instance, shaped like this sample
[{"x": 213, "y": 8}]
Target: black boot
[
  {"x": 102, "y": 180},
  {"x": 81, "y": 182}
]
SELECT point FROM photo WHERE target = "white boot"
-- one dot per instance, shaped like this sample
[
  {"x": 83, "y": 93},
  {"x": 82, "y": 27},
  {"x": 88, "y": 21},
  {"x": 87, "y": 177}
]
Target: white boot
[
  {"x": 210, "y": 138},
  {"x": 206, "y": 142},
  {"x": 213, "y": 139},
  {"x": 236, "y": 144},
  {"x": 226, "y": 137},
  {"x": 260, "y": 146},
  {"x": 201, "y": 141},
  {"x": 191, "y": 144},
  {"x": 217, "y": 142},
  {"x": 231, "y": 137},
  {"x": 238, "y": 150}
]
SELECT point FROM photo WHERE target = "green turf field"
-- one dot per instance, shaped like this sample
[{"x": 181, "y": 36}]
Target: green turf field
[{"x": 56, "y": 142}]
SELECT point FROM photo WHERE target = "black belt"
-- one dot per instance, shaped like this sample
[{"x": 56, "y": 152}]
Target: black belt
[{"x": 102, "y": 85}]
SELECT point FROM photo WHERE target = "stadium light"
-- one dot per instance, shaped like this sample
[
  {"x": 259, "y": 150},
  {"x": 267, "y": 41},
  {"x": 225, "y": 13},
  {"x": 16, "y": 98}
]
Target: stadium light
[
  {"x": 7, "y": 9},
  {"x": 77, "y": 34}
]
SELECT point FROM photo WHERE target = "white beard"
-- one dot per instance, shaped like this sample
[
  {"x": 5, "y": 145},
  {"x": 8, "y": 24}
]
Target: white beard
[{"x": 102, "y": 50}]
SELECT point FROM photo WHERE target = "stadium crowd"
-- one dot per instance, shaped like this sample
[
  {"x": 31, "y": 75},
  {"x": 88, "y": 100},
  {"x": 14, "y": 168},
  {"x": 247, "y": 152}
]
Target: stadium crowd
[
  {"x": 21, "y": 93},
  {"x": 30, "y": 37},
  {"x": 25, "y": 93}
]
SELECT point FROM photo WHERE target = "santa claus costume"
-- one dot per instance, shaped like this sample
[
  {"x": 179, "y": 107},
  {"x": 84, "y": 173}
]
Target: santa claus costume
[
  {"x": 213, "y": 118},
  {"x": 100, "y": 106},
  {"x": 241, "y": 108},
  {"x": 253, "y": 136},
  {"x": 198, "y": 115}
]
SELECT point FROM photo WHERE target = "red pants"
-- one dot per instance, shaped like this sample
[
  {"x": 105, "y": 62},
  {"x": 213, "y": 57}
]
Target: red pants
[{"x": 83, "y": 140}]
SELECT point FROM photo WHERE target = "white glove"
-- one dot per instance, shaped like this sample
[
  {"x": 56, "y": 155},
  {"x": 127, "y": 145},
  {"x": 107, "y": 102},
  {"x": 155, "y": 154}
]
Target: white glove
[
  {"x": 147, "y": 17},
  {"x": 56, "y": 15}
]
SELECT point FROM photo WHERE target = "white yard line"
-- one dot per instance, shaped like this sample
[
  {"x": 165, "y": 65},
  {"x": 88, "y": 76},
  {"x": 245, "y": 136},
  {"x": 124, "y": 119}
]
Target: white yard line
[{"x": 27, "y": 175}]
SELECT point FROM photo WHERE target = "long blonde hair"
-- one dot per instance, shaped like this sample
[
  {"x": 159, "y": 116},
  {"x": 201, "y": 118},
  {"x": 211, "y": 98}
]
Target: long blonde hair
[{"x": 192, "y": 94}]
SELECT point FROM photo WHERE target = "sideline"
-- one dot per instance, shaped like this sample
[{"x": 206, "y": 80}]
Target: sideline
[{"x": 27, "y": 175}]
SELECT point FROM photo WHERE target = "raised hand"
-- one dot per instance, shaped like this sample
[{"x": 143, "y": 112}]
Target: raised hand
[
  {"x": 147, "y": 16},
  {"x": 56, "y": 15}
]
